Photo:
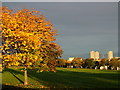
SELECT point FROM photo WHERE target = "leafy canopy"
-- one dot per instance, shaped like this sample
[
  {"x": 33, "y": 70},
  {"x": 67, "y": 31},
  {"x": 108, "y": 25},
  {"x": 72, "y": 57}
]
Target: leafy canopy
[{"x": 28, "y": 39}]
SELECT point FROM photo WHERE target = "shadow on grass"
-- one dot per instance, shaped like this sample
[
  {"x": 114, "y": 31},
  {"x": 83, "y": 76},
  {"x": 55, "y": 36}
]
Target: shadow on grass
[
  {"x": 72, "y": 79},
  {"x": 14, "y": 72},
  {"x": 9, "y": 87}
]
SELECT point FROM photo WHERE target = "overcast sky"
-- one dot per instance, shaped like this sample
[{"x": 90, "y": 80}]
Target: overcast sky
[
  {"x": 82, "y": 26},
  {"x": 60, "y": 0}
]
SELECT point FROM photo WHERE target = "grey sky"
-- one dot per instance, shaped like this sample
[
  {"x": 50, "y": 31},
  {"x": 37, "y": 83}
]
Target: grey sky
[
  {"x": 60, "y": 0},
  {"x": 82, "y": 27}
]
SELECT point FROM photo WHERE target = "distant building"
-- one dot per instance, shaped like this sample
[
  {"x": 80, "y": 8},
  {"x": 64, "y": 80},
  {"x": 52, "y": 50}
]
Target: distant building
[
  {"x": 71, "y": 58},
  {"x": 92, "y": 54},
  {"x": 95, "y": 55},
  {"x": 110, "y": 55}
]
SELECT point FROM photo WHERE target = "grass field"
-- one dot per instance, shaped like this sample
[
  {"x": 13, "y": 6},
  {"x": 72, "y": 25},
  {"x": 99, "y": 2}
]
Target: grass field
[{"x": 63, "y": 78}]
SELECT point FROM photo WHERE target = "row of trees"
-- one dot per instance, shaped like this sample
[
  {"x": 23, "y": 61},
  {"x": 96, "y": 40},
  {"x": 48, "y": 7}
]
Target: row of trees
[{"x": 89, "y": 63}]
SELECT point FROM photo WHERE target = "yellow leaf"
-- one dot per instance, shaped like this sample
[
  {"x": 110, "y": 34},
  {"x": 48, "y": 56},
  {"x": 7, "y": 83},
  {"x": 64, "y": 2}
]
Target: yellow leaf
[{"x": 7, "y": 60}]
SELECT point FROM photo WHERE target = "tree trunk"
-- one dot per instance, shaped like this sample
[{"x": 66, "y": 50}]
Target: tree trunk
[{"x": 25, "y": 77}]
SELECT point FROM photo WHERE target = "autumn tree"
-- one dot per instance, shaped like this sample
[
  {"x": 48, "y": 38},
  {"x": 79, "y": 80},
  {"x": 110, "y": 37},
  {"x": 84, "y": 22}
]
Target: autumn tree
[
  {"x": 61, "y": 62},
  {"x": 68, "y": 63},
  {"x": 114, "y": 62},
  {"x": 77, "y": 62},
  {"x": 89, "y": 62},
  {"x": 28, "y": 39},
  {"x": 97, "y": 64},
  {"x": 104, "y": 62}
]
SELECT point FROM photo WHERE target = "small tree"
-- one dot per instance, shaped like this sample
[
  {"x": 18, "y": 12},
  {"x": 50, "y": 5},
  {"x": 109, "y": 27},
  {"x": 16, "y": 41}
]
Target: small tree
[
  {"x": 97, "y": 64},
  {"x": 61, "y": 62},
  {"x": 114, "y": 63},
  {"x": 68, "y": 63},
  {"x": 119, "y": 63},
  {"x": 89, "y": 62},
  {"x": 104, "y": 62},
  {"x": 77, "y": 62}
]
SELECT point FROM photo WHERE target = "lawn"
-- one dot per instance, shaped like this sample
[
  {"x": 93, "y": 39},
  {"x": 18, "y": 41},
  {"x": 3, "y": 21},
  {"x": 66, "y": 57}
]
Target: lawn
[{"x": 63, "y": 78}]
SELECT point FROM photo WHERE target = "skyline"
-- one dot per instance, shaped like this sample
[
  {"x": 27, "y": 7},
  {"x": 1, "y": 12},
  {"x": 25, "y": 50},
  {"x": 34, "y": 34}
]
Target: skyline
[{"x": 82, "y": 27}]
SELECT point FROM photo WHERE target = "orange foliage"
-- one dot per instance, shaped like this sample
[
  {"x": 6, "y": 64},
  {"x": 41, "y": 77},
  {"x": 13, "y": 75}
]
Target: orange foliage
[{"x": 28, "y": 38}]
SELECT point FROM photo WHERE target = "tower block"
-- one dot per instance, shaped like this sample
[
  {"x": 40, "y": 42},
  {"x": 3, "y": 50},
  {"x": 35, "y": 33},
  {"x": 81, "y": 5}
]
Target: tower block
[
  {"x": 95, "y": 55},
  {"x": 110, "y": 55}
]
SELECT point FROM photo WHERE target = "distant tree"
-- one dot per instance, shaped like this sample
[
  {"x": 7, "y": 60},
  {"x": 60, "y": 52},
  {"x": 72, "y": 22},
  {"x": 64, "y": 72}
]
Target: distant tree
[
  {"x": 89, "y": 62},
  {"x": 68, "y": 63},
  {"x": 83, "y": 63},
  {"x": 118, "y": 63},
  {"x": 114, "y": 63},
  {"x": 77, "y": 62},
  {"x": 97, "y": 64},
  {"x": 61, "y": 62},
  {"x": 103, "y": 62}
]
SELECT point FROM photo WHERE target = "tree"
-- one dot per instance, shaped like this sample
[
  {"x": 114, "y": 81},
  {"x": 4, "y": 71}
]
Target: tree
[
  {"x": 89, "y": 62},
  {"x": 96, "y": 64},
  {"x": 104, "y": 62},
  {"x": 77, "y": 62},
  {"x": 119, "y": 63},
  {"x": 28, "y": 39},
  {"x": 68, "y": 63},
  {"x": 114, "y": 63},
  {"x": 61, "y": 62}
]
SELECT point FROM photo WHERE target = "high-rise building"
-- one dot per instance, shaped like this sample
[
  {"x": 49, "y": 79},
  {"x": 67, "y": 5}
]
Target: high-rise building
[
  {"x": 97, "y": 54},
  {"x": 94, "y": 54},
  {"x": 110, "y": 55}
]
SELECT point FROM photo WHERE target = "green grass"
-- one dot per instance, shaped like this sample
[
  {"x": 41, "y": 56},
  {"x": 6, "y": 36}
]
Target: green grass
[{"x": 63, "y": 78}]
